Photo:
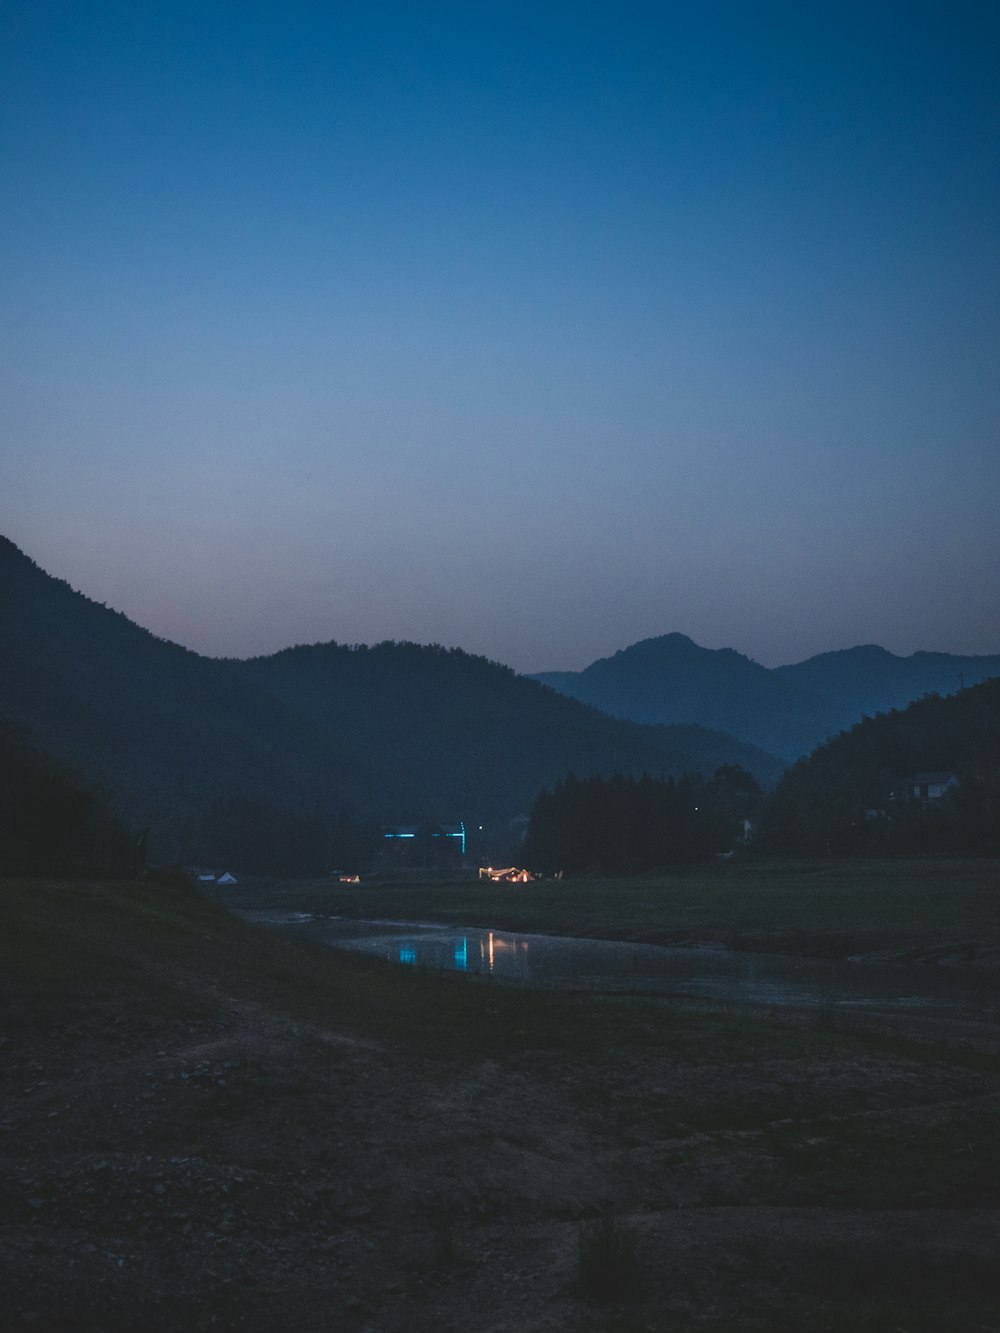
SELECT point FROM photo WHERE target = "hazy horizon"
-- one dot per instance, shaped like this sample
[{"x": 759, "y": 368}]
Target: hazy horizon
[{"x": 533, "y": 330}]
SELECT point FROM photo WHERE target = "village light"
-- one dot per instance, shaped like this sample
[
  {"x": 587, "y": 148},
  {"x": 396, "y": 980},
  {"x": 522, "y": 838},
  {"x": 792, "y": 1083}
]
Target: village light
[{"x": 511, "y": 874}]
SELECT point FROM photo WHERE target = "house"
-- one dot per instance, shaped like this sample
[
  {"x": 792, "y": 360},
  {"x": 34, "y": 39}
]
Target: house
[{"x": 927, "y": 787}]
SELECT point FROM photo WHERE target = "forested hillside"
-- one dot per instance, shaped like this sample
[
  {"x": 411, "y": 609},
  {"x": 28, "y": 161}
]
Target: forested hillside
[
  {"x": 264, "y": 760},
  {"x": 464, "y": 733},
  {"x": 166, "y": 731},
  {"x": 850, "y": 795}
]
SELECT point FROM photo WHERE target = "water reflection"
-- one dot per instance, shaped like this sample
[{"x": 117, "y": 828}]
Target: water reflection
[
  {"x": 498, "y": 954},
  {"x": 486, "y": 952},
  {"x": 713, "y": 974},
  {"x": 709, "y": 973}
]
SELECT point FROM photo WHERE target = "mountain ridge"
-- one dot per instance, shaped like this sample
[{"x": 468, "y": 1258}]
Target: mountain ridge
[
  {"x": 786, "y": 710},
  {"x": 393, "y": 732}
]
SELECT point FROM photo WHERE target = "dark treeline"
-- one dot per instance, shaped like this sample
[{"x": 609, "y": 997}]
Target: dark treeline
[
  {"x": 850, "y": 797},
  {"x": 241, "y": 834},
  {"x": 52, "y": 821},
  {"x": 623, "y": 825}
]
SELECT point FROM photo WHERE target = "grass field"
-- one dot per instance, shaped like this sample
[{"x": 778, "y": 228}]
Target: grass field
[
  {"x": 207, "y": 1125},
  {"x": 821, "y": 908}
]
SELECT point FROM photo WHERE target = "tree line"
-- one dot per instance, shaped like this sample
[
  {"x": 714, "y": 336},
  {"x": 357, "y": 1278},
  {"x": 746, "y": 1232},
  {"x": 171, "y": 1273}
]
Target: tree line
[
  {"x": 623, "y": 825},
  {"x": 266, "y": 838}
]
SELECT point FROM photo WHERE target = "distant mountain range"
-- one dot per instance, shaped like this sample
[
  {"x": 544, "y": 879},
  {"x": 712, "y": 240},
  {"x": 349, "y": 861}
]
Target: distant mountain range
[
  {"x": 786, "y": 710},
  {"x": 395, "y": 732}
]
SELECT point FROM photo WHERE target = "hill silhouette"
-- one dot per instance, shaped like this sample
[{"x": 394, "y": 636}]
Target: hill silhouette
[
  {"x": 396, "y": 732},
  {"x": 855, "y": 793},
  {"x": 483, "y": 732},
  {"x": 868, "y": 679},
  {"x": 160, "y": 727},
  {"x": 786, "y": 710}
]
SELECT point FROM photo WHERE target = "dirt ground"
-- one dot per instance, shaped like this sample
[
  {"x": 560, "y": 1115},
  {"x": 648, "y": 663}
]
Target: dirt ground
[
  {"x": 226, "y": 1160},
  {"x": 256, "y": 1173}
]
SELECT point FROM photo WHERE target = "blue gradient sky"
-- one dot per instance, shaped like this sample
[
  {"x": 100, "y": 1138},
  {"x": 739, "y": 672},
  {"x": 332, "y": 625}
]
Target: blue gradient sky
[{"x": 533, "y": 329}]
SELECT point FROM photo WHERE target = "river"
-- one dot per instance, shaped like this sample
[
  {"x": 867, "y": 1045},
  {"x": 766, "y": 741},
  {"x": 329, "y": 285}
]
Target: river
[{"x": 717, "y": 974}]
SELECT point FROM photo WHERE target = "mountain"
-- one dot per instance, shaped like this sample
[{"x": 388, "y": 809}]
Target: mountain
[
  {"x": 473, "y": 732},
  {"x": 671, "y": 680},
  {"x": 869, "y": 679},
  {"x": 856, "y": 793},
  {"x": 786, "y": 710},
  {"x": 164, "y": 728},
  {"x": 396, "y": 732}
]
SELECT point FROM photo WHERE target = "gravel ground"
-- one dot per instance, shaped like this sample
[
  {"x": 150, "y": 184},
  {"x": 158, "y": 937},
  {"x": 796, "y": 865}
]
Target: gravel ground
[{"x": 219, "y": 1163}]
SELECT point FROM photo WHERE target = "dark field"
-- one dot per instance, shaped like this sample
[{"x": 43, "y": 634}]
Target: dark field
[{"x": 206, "y": 1125}]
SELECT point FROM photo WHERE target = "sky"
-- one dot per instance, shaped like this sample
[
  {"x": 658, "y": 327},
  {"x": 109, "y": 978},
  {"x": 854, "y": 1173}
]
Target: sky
[{"x": 532, "y": 329}]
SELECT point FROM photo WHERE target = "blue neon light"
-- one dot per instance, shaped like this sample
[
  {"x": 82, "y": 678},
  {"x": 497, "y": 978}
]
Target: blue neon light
[{"x": 460, "y": 834}]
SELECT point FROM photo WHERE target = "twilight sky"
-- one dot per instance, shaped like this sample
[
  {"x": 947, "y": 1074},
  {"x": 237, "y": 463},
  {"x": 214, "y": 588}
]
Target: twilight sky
[{"x": 534, "y": 329}]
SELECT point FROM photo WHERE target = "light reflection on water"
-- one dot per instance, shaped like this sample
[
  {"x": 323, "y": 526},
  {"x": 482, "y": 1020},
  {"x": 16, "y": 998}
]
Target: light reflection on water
[
  {"x": 481, "y": 952},
  {"x": 704, "y": 972},
  {"x": 708, "y": 973}
]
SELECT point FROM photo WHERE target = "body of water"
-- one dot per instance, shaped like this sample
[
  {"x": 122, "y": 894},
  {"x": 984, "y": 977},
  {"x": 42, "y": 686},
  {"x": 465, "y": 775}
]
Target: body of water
[{"x": 701, "y": 972}]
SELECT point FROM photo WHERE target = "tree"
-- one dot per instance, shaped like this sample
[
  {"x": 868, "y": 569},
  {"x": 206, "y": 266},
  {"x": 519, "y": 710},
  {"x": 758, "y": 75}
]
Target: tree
[
  {"x": 622, "y": 824},
  {"x": 52, "y": 821}
]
